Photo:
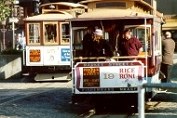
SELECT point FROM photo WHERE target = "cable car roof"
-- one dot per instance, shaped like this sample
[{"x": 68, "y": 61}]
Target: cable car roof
[
  {"x": 117, "y": 9},
  {"x": 74, "y": 5},
  {"x": 59, "y": 15},
  {"x": 111, "y": 14},
  {"x": 140, "y": 1}
]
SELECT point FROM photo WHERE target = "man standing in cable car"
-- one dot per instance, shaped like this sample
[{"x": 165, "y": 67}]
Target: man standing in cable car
[
  {"x": 100, "y": 47},
  {"x": 129, "y": 45}
]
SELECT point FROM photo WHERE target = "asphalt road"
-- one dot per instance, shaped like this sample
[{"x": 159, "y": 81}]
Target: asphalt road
[{"x": 53, "y": 100}]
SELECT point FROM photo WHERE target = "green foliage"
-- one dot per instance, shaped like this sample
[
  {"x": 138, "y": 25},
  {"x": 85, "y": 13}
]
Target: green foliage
[{"x": 5, "y": 9}]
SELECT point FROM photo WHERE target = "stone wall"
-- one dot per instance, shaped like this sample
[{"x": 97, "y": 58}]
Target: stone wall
[{"x": 10, "y": 66}]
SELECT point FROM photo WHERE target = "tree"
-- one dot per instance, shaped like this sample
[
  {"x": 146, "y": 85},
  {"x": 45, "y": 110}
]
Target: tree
[{"x": 5, "y": 9}]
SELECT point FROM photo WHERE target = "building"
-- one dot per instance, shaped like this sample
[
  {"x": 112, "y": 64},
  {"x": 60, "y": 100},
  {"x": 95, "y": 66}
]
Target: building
[{"x": 169, "y": 9}]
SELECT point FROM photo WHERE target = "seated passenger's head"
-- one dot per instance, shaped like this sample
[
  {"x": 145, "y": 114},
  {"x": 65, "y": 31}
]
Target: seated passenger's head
[
  {"x": 98, "y": 34},
  {"x": 127, "y": 34}
]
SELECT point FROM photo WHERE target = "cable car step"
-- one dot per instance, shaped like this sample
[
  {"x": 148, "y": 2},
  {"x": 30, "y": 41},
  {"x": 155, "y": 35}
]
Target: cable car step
[{"x": 53, "y": 77}]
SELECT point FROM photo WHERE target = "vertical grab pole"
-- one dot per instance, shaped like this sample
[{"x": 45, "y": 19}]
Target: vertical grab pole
[
  {"x": 141, "y": 88},
  {"x": 141, "y": 98}
]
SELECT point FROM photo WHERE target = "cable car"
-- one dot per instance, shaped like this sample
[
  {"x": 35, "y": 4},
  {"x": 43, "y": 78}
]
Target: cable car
[
  {"x": 47, "y": 51},
  {"x": 101, "y": 77}
]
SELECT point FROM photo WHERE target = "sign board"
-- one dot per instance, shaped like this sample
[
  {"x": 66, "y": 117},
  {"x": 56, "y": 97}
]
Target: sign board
[
  {"x": 3, "y": 30},
  {"x": 98, "y": 77},
  {"x": 64, "y": 52},
  {"x": 34, "y": 55},
  {"x": 13, "y": 20},
  {"x": 51, "y": 55}
]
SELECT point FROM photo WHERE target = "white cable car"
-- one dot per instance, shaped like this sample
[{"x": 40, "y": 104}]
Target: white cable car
[{"x": 47, "y": 49}]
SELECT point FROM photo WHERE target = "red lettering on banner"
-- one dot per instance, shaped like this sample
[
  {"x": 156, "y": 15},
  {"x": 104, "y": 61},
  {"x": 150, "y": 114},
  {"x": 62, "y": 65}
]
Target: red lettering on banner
[
  {"x": 125, "y": 73},
  {"x": 126, "y": 70},
  {"x": 125, "y": 76}
]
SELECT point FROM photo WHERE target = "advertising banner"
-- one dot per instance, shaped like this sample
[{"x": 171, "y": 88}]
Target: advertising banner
[
  {"x": 64, "y": 52},
  {"x": 96, "y": 77}
]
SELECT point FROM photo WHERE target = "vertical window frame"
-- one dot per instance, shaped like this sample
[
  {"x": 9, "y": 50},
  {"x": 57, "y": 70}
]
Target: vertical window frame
[
  {"x": 57, "y": 34},
  {"x": 28, "y": 33},
  {"x": 61, "y": 35}
]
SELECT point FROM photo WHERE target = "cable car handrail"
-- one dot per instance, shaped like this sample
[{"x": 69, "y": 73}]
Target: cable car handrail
[{"x": 106, "y": 58}]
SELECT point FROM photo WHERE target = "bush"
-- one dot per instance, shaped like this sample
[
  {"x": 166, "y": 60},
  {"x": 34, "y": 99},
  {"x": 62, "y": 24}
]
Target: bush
[{"x": 11, "y": 52}]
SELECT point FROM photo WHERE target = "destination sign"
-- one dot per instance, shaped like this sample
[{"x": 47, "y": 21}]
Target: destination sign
[
  {"x": 91, "y": 77},
  {"x": 35, "y": 55}
]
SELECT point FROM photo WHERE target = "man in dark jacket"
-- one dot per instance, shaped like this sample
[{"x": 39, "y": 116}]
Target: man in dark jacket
[
  {"x": 100, "y": 46},
  {"x": 87, "y": 42},
  {"x": 168, "y": 47}
]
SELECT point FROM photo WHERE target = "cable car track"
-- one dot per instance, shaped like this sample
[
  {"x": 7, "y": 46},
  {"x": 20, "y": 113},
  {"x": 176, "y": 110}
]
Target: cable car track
[
  {"x": 105, "y": 114},
  {"x": 104, "y": 111}
]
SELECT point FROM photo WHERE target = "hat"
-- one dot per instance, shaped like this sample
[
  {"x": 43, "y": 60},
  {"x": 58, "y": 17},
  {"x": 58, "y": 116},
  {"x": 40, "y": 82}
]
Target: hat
[
  {"x": 98, "y": 32},
  {"x": 168, "y": 34}
]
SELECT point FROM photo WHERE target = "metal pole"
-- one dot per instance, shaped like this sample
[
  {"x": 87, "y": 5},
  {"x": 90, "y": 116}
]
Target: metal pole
[
  {"x": 161, "y": 85},
  {"x": 13, "y": 34},
  {"x": 141, "y": 98},
  {"x": 13, "y": 26},
  {"x": 3, "y": 37},
  {"x": 141, "y": 94}
]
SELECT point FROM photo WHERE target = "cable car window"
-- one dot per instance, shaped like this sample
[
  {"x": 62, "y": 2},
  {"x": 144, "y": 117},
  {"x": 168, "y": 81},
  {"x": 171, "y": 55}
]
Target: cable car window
[
  {"x": 141, "y": 36},
  {"x": 157, "y": 37},
  {"x": 174, "y": 35},
  {"x": 78, "y": 38},
  {"x": 33, "y": 34},
  {"x": 50, "y": 32},
  {"x": 78, "y": 34},
  {"x": 139, "y": 32},
  {"x": 65, "y": 34}
]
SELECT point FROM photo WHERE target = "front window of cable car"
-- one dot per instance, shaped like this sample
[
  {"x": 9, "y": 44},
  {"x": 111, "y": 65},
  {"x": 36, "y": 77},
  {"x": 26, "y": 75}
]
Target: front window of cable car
[
  {"x": 50, "y": 32},
  {"x": 174, "y": 35},
  {"x": 65, "y": 35},
  {"x": 77, "y": 42},
  {"x": 33, "y": 34}
]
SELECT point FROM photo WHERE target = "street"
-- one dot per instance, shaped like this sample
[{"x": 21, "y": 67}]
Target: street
[
  {"x": 22, "y": 98},
  {"x": 53, "y": 100}
]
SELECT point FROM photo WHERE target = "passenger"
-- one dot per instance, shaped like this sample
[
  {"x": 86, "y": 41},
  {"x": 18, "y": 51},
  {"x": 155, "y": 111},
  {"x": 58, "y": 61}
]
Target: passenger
[
  {"x": 129, "y": 45},
  {"x": 20, "y": 42},
  {"x": 100, "y": 46},
  {"x": 87, "y": 42},
  {"x": 168, "y": 47}
]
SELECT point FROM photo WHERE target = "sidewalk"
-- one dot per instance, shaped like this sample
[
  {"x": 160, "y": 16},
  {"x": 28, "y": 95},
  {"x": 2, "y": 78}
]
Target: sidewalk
[{"x": 175, "y": 58}]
